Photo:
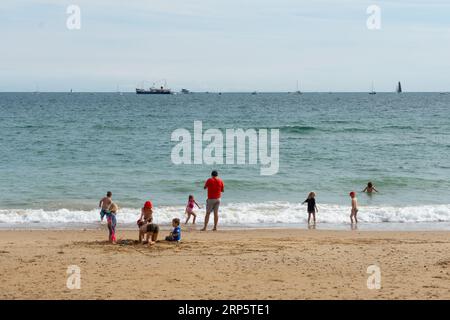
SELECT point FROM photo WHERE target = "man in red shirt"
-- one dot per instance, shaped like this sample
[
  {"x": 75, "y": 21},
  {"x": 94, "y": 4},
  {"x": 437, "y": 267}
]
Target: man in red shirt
[{"x": 215, "y": 188}]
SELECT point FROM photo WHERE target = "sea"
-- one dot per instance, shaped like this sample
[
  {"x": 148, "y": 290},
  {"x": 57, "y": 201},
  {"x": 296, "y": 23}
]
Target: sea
[{"x": 61, "y": 153}]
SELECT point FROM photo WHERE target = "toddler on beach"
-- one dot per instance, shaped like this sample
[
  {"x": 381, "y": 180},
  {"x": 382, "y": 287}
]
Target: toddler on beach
[
  {"x": 312, "y": 208},
  {"x": 354, "y": 207},
  {"x": 175, "y": 235},
  {"x": 190, "y": 209},
  {"x": 104, "y": 204},
  {"x": 112, "y": 222}
]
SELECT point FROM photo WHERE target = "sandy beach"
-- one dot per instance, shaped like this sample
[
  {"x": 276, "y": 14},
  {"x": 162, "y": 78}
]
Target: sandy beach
[{"x": 230, "y": 264}]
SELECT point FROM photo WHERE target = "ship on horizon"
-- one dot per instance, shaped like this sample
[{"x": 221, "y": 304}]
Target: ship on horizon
[{"x": 154, "y": 90}]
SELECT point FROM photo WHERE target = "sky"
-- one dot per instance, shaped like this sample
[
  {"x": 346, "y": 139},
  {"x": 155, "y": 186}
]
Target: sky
[{"x": 224, "y": 45}]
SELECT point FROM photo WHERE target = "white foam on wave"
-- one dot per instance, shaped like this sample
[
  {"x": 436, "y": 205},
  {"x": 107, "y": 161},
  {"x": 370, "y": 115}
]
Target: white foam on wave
[{"x": 268, "y": 213}]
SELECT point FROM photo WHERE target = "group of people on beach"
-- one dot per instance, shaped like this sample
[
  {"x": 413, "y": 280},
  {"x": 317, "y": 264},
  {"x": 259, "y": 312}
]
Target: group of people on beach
[
  {"x": 149, "y": 231},
  {"x": 312, "y": 207}
]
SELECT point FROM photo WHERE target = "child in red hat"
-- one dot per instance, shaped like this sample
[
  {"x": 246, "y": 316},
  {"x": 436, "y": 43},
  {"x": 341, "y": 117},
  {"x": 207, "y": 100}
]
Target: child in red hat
[{"x": 146, "y": 225}]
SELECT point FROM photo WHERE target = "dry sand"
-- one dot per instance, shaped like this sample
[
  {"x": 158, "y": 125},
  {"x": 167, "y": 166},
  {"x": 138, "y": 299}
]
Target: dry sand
[{"x": 255, "y": 264}]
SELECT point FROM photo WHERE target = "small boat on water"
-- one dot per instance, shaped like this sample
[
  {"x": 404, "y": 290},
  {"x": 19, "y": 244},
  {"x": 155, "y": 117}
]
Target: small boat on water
[
  {"x": 399, "y": 88},
  {"x": 118, "y": 91},
  {"x": 185, "y": 91}
]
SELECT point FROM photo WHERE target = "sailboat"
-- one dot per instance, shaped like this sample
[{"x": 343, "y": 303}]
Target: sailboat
[
  {"x": 399, "y": 88},
  {"x": 298, "y": 91},
  {"x": 373, "y": 91}
]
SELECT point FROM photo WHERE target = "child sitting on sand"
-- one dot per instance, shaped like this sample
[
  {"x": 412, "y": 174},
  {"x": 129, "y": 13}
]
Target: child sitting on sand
[
  {"x": 370, "y": 188},
  {"x": 112, "y": 222},
  {"x": 175, "y": 235},
  {"x": 354, "y": 207},
  {"x": 190, "y": 209},
  {"x": 312, "y": 208}
]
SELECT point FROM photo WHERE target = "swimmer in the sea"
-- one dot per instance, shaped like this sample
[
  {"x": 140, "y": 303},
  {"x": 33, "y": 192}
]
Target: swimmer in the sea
[{"x": 370, "y": 188}]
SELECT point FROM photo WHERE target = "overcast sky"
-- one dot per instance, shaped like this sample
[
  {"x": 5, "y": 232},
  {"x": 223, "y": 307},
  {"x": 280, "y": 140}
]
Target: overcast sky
[{"x": 226, "y": 45}]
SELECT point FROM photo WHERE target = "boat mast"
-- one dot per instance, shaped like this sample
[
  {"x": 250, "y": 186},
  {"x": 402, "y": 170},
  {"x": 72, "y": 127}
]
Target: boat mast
[{"x": 298, "y": 91}]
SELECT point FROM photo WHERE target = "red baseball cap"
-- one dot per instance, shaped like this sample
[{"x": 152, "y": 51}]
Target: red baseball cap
[
  {"x": 352, "y": 194},
  {"x": 148, "y": 205}
]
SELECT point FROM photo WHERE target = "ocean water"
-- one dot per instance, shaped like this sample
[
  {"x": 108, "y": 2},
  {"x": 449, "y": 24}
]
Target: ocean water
[{"x": 61, "y": 152}]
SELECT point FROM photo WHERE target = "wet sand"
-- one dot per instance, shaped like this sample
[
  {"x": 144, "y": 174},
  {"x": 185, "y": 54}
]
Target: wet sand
[{"x": 231, "y": 264}]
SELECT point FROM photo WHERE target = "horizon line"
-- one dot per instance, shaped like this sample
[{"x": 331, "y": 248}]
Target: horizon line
[{"x": 229, "y": 92}]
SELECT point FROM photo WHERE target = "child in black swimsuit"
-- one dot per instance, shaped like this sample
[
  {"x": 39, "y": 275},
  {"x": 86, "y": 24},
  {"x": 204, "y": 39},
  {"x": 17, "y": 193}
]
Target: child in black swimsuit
[{"x": 312, "y": 208}]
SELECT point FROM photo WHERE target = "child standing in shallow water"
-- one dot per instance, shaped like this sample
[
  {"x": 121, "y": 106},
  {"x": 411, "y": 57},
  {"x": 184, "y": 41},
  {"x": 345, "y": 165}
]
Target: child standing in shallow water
[
  {"x": 354, "y": 207},
  {"x": 190, "y": 209},
  {"x": 312, "y": 208}
]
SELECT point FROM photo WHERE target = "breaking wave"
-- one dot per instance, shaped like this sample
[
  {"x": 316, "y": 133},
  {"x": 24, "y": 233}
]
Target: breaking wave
[{"x": 237, "y": 214}]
